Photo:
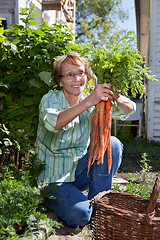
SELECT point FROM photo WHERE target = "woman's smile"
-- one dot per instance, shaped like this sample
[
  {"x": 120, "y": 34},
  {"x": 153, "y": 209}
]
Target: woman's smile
[
  {"x": 73, "y": 81},
  {"x": 77, "y": 85}
]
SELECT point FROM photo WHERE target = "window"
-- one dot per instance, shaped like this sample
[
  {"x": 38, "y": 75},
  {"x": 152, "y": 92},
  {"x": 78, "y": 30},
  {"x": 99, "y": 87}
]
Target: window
[
  {"x": 4, "y": 24},
  {"x": 7, "y": 19}
]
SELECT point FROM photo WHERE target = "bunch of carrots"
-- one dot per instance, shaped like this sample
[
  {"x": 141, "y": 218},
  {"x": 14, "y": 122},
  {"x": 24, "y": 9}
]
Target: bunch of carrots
[{"x": 100, "y": 134}]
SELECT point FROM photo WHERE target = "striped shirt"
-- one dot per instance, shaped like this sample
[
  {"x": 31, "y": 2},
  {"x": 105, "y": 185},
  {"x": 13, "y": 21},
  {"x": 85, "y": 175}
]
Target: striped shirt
[{"x": 60, "y": 150}]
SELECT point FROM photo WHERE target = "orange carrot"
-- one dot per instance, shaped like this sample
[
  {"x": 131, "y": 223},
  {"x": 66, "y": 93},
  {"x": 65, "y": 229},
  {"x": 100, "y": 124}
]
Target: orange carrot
[
  {"x": 95, "y": 155},
  {"x": 109, "y": 156},
  {"x": 108, "y": 120},
  {"x": 100, "y": 134},
  {"x": 94, "y": 127},
  {"x": 101, "y": 131},
  {"x": 96, "y": 147}
]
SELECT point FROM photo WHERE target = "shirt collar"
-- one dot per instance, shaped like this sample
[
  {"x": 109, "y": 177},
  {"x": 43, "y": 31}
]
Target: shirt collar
[{"x": 64, "y": 102}]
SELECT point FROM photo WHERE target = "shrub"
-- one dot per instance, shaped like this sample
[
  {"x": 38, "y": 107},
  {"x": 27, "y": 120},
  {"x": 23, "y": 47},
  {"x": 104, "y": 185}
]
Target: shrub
[{"x": 26, "y": 61}]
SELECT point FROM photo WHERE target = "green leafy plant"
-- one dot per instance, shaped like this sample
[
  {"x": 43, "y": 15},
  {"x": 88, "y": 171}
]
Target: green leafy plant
[
  {"x": 139, "y": 184},
  {"x": 122, "y": 66},
  {"x": 26, "y": 61},
  {"x": 22, "y": 206}
]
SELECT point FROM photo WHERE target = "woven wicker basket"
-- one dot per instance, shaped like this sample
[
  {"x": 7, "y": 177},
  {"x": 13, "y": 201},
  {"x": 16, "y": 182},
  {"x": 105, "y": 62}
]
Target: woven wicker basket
[{"x": 123, "y": 216}]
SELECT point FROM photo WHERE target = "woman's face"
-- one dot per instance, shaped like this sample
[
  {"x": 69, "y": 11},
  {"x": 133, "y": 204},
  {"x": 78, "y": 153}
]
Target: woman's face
[{"x": 74, "y": 79}]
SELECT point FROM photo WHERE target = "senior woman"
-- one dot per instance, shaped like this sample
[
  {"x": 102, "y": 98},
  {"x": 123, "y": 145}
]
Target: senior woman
[{"x": 63, "y": 138}]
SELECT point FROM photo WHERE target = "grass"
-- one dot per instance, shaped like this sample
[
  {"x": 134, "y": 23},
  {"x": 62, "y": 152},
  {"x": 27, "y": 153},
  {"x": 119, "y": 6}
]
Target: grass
[{"x": 133, "y": 150}]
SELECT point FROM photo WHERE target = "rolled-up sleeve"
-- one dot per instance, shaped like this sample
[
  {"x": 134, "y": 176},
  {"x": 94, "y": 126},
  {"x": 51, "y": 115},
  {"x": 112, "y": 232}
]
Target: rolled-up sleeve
[
  {"x": 49, "y": 109},
  {"x": 118, "y": 113},
  {"x": 50, "y": 119}
]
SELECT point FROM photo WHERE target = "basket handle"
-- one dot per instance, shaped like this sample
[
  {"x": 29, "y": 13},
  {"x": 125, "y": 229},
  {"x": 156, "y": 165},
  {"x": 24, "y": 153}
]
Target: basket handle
[{"x": 153, "y": 198}]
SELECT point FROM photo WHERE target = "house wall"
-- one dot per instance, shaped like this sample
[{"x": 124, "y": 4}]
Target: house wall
[
  {"x": 7, "y": 10},
  {"x": 153, "y": 91},
  {"x": 48, "y": 15}
]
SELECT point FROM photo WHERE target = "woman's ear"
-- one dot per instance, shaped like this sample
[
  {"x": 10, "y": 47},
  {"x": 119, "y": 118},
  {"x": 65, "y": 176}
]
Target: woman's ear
[{"x": 60, "y": 84}]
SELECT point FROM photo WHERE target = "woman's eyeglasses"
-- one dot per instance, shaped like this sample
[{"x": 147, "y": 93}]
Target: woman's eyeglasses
[{"x": 72, "y": 75}]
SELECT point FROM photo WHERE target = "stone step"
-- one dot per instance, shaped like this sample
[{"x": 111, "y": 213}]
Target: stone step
[{"x": 116, "y": 180}]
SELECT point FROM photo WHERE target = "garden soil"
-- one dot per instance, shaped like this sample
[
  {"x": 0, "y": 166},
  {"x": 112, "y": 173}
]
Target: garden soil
[{"x": 65, "y": 232}]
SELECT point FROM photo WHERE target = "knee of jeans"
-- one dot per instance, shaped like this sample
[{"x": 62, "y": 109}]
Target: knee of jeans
[
  {"x": 117, "y": 149},
  {"x": 80, "y": 216},
  {"x": 117, "y": 146}
]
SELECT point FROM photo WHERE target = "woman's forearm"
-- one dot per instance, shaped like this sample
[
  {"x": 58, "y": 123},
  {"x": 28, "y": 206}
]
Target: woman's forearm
[
  {"x": 69, "y": 114},
  {"x": 125, "y": 104}
]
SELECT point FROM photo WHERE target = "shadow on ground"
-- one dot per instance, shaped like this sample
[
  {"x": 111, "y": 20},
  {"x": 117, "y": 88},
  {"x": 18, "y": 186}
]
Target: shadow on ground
[{"x": 66, "y": 232}]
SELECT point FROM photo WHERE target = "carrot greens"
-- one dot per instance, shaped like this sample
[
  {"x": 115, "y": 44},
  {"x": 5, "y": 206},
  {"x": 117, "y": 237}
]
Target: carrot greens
[{"x": 124, "y": 67}]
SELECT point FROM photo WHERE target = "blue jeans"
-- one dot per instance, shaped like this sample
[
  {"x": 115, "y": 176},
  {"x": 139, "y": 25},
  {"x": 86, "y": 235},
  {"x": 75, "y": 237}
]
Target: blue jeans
[{"x": 73, "y": 206}]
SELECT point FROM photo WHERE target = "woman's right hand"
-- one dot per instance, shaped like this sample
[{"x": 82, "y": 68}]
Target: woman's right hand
[{"x": 101, "y": 92}]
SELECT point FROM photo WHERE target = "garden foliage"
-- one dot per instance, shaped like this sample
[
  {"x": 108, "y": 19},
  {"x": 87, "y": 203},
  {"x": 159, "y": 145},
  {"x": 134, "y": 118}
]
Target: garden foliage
[
  {"x": 26, "y": 61},
  {"x": 22, "y": 206}
]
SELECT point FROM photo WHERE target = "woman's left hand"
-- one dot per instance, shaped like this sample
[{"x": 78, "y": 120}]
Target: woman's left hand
[{"x": 118, "y": 94}]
